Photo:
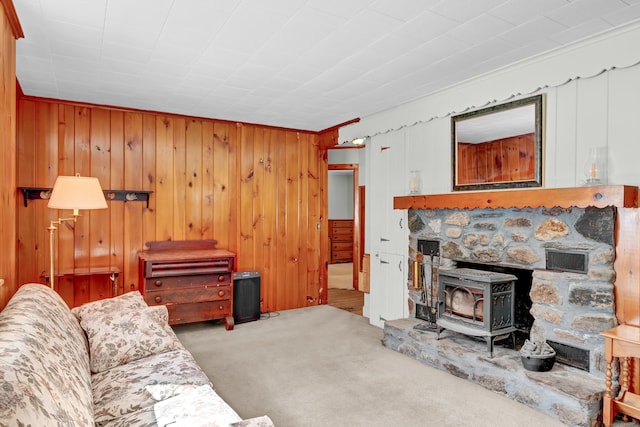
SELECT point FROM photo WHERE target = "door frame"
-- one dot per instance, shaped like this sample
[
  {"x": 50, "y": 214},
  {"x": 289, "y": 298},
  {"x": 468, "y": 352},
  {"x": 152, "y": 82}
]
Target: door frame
[{"x": 356, "y": 218}]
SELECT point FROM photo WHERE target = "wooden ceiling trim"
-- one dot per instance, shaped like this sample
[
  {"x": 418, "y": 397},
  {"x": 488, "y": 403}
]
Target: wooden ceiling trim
[{"x": 12, "y": 17}]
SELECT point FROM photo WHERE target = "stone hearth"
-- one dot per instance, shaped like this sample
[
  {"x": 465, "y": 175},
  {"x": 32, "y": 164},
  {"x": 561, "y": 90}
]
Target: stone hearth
[{"x": 567, "y": 394}]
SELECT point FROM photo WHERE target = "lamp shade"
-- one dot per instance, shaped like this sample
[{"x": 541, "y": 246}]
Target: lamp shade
[{"x": 77, "y": 192}]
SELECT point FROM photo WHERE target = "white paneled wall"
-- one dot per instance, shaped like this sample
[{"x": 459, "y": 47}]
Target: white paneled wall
[
  {"x": 592, "y": 91},
  {"x": 592, "y": 95},
  {"x": 600, "y": 111},
  {"x": 560, "y": 126},
  {"x": 623, "y": 126}
]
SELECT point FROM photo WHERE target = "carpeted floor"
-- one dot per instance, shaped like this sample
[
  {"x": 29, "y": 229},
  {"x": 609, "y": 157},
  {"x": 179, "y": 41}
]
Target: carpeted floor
[{"x": 321, "y": 366}]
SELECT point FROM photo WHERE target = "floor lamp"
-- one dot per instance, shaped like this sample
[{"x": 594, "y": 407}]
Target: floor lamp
[{"x": 74, "y": 193}]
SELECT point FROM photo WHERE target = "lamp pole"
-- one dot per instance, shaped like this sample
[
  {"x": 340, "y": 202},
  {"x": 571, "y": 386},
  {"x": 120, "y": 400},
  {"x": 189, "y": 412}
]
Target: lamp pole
[{"x": 52, "y": 231}]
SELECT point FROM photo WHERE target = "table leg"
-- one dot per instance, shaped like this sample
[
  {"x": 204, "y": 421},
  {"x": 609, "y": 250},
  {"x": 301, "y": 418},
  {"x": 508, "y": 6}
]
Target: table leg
[
  {"x": 607, "y": 404},
  {"x": 624, "y": 380}
]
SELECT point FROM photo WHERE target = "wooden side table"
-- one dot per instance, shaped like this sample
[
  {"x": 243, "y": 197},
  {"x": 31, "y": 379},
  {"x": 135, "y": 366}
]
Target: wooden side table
[
  {"x": 112, "y": 272},
  {"x": 623, "y": 343}
]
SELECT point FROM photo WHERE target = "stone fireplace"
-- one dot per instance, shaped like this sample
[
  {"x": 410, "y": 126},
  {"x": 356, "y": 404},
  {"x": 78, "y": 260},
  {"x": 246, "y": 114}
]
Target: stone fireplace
[
  {"x": 569, "y": 308},
  {"x": 561, "y": 244}
]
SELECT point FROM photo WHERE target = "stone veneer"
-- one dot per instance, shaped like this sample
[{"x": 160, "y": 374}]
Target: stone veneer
[
  {"x": 567, "y": 394},
  {"x": 569, "y": 308}
]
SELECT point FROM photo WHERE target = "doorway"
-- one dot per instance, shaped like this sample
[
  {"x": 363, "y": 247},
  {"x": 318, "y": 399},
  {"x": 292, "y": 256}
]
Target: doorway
[{"x": 344, "y": 237}]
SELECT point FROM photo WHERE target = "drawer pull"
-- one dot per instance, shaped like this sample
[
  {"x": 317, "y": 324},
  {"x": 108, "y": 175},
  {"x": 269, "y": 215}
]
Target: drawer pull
[
  {"x": 158, "y": 300},
  {"x": 221, "y": 278},
  {"x": 221, "y": 293},
  {"x": 158, "y": 283},
  {"x": 220, "y": 307}
]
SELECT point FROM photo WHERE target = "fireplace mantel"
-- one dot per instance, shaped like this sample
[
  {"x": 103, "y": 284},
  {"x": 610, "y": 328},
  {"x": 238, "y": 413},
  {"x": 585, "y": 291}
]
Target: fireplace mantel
[{"x": 622, "y": 196}]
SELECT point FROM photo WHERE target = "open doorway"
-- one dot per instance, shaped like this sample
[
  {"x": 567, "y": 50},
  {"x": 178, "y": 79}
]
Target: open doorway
[{"x": 344, "y": 237}]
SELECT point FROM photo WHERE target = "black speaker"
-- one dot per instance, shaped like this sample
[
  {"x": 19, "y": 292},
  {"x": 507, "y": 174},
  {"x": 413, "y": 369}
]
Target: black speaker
[{"x": 246, "y": 296}]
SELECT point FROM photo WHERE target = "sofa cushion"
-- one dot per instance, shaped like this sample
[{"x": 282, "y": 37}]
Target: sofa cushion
[
  {"x": 121, "y": 337},
  {"x": 122, "y": 390},
  {"x": 141, "y": 418},
  {"x": 195, "y": 406},
  {"x": 44, "y": 364}
]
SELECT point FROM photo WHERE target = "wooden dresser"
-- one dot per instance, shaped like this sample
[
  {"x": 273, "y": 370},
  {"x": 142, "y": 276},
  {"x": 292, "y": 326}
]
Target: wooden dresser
[
  {"x": 192, "y": 278},
  {"x": 341, "y": 235}
]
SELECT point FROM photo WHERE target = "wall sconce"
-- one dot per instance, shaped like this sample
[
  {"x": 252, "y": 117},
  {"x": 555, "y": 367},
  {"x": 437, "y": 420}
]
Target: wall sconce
[
  {"x": 355, "y": 141},
  {"x": 74, "y": 193}
]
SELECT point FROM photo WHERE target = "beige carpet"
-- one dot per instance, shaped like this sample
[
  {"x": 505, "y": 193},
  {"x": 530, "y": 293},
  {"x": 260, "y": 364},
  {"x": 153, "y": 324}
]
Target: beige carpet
[{"x": 322, "y": 366}]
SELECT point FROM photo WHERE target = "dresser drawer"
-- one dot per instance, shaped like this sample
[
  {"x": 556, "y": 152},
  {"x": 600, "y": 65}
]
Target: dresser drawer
[
  {"x": 198, "y": 311},
  {"x": 342, "y": 256},
  {"x": 176, "y": 296},
  {"x": 340, "y": 223},
  {"x": 186, "y": 267},
  {"x": 181, "y": 282},
  {"x": 342, "y": 233},
  {"x": 341, "y": 246}
]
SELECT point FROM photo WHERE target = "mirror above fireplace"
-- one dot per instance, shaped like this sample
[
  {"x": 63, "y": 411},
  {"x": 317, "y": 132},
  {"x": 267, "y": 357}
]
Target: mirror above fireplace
[{"x": 499, "y": 147}]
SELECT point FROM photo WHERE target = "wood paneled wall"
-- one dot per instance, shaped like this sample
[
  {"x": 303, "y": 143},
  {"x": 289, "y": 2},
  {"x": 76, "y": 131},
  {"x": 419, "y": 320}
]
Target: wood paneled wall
[
  {"x": 254, "y": 189},
  {"x": 9, "y": 31},
  {"x": 627, "y": 267}
]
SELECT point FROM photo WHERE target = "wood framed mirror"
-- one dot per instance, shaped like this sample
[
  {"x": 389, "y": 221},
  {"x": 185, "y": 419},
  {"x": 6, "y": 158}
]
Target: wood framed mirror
[{"x": 499, "y": 146}]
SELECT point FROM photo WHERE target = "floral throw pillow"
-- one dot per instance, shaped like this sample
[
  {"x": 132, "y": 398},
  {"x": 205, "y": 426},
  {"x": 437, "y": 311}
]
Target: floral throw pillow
[
  {"x": 131, "y": 301},
  {"x": 123, "y": 336}
]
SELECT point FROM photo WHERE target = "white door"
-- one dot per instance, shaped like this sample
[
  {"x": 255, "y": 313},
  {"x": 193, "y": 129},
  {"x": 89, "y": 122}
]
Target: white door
[
  {"x": 393, "y": 290},
  {"x": 389, "y": 235}
]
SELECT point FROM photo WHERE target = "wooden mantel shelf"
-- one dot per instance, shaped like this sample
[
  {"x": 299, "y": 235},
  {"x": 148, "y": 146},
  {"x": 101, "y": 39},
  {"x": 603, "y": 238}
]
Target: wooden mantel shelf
[{"x": 622, "y": 196}]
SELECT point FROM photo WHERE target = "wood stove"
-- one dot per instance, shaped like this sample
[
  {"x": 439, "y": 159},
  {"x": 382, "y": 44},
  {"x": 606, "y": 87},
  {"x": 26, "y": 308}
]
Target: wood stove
[{"x": 477, "y": 303}]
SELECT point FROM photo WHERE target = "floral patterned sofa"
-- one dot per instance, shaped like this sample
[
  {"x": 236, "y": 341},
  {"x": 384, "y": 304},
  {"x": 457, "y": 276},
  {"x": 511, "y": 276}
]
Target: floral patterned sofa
[{"x": 113, "y": 362}]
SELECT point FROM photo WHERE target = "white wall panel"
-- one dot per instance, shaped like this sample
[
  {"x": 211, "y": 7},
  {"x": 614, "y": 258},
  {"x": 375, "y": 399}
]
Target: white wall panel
[
  {"x": 624, "y": 126},
  {"x": 560, "y": 170},
  {"x": 591, "y": 125}
]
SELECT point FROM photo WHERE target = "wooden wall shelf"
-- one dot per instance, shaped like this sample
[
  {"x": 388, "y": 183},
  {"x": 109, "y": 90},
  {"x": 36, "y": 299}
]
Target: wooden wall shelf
[
  {"x": 36, "y": 193},
  {"x": 622, "y": 196}
]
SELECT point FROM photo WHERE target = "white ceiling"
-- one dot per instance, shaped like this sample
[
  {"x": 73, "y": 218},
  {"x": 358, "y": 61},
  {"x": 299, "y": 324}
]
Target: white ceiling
[{"x": 303, "y": 64}]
